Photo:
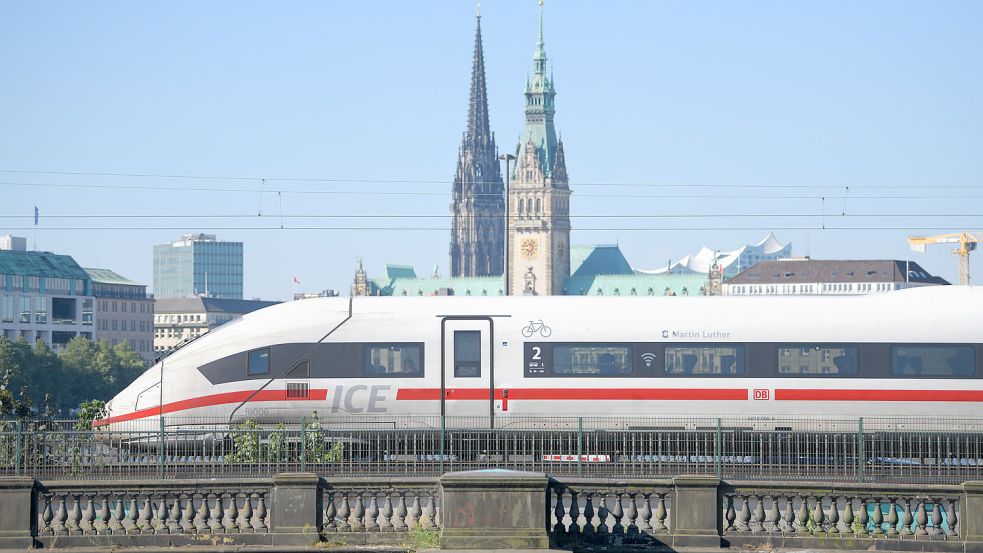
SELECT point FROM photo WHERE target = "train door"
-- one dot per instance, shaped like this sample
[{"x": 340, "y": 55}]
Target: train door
[{"x": 467, "y": 365}]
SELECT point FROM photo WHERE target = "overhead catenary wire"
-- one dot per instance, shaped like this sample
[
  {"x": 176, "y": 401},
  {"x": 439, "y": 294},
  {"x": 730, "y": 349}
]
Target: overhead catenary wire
[
  {"x": 477, "y": 194},
  {"x": 448, "y": 182}
]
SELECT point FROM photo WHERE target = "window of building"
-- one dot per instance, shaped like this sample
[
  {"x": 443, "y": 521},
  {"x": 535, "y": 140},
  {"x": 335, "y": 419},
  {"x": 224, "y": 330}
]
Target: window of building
[
  {"x": 592, "y": 360},
  {"x": 258, "y": 362},
  {"x": 392, "y": 360},
  {"x": 41, "y": 310},
  {"x": 87, "y": 311},
  {"x": 705, "y": 359},
  {"x": 933, "y": 361},
  {"x": 816, "y": 359},
  {"x": 25, "y": 310},
  {"x": 467, "y": 353}
]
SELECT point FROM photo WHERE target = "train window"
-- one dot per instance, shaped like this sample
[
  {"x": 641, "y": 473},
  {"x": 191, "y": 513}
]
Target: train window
[
  {"x": 933, "y": 361},
  {"x": 704, "y": 359},
  {"x": 394, "y": 360},
  {"x": 592, "y": 360},
  {"x": 467, "y": 353},
  {"x": 258, "y": 362},
  {"x": 818, "y": 359},
  {"x": 302, "y": 369}
]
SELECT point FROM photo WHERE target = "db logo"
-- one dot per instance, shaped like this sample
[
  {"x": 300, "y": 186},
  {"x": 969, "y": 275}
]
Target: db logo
[{"x": 762, "y": 393}]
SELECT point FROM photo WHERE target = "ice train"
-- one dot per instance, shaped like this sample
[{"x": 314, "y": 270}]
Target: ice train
[{"x": 913, "y": 353}]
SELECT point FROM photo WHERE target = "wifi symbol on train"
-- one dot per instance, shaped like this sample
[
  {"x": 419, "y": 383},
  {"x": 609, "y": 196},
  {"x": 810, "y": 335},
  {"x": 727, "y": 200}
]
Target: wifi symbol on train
[{"x": 648, "y": 359}]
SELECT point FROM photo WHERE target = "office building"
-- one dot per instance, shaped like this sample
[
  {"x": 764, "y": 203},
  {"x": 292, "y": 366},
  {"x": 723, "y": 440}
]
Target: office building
[{"x": 198, "y": 265}]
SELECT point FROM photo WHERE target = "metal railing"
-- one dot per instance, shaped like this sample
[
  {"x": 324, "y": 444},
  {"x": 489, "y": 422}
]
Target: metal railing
[{"x": 842, "y": 450}]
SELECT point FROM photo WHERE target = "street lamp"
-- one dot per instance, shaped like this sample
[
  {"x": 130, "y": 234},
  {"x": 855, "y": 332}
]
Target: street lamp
[{"x": 505, "y": 271}]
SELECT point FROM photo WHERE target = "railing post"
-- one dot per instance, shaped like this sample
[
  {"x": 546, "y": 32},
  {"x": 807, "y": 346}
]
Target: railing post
[
  {"x": 160, "y": 457},
  {"x": 303, "y": 444},
  {"x": 580, "y": 446},
  {"x": 20, "y": 440},
  {"x": 442, "y": 428},
  {"x": 862, "y": 462},
  {"x": 718, "y": 447}
]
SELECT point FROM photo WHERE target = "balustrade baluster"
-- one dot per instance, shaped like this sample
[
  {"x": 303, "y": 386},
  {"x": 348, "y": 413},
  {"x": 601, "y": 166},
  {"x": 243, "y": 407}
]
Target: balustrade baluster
[
  {"x": 892, "y": 516},
  {"x": 215, "y": 514},
  {"x": 602, "y": 515},
  {"x": 818, "y": 516},
  {"x": 802, "y": 517},
  {"x": 847, "y": 516},
  {"x": 878, "y": 519},
  {"x": 632, "y": 514},
  {"x": 261, "y": 524},
  {"x": 645, "y": 514},
  {"x": 771, "y": 521},
  {"x": 188, "y": 512},
  {"x": 328, "y": 524},
  {"x": 833, "y": 516},
  {"x": 758, "y": 516},
  {"x": 372, "y": 515},
  {"x": 661, "y": 515},
  {"x": 558, "y": 511},
  {"x": 202, "y": 525},
  {"x": 414, "y": 512},
  {"x": 400, "y": 512},
  {"x": 589, "y": 515},
  {"x": 145, "y": 524},
  {"x": 101, "y": 523},
  {"x": 617, "y": 513},
  {"x": 730, "y": 515},
  {"x": 862, "y": 518},
  {"x": 117, "y": 517},
  {"x": 74, "y": 515},
  {"x": 936, "y": 528},
  {"x": 61, "y": 515},
  {"x": 385, "y": 515},
  {"x": 574, "y": 512},
  {"x": 231, "y": 515},
  {"x": 87, "y": 522},
  {"x": 427, "y": 518},
  {"x": 161, "y": 514},
  {"x": 788, "y": 516},
  {"x": 921, "y": 519},
  {"x": 744, "y": 515},
  {"x": 951, "y": 518},
  {"x": 358, "y": 514},
  {"x": 906, "y": 517},
  {"x": 246, "y": 514},
  {"x": 343, "y": 513},
  {"x": 45, "y": 517},
  {"x": 436, "y": 513}
]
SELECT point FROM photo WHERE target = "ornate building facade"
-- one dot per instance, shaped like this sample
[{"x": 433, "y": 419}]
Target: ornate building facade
[
  {"x": 478, "y": 207},
  {"x": 539, "y": 195}
]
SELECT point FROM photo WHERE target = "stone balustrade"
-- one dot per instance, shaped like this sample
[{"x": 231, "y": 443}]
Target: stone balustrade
[{"x": 490, "y": 509}]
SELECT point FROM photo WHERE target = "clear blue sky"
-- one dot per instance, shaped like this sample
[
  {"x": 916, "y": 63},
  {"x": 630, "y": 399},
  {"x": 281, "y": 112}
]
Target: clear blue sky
[{"x": 828, "y": 94}]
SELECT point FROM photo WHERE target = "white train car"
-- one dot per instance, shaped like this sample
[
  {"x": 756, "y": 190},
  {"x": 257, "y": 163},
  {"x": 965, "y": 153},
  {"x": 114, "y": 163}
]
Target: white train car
[{"x": 912, "y": 353}]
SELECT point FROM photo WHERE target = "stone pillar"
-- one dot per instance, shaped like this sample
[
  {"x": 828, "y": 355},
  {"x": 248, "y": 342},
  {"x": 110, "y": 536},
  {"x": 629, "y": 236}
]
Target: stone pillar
[
  {"x": 494, "y": 509},
  {"x": 695, "y": 515},
  {"x": 295, "y": 508},
  {"x": 17, "y": 512},
  {"x": 971, "y": 515}
]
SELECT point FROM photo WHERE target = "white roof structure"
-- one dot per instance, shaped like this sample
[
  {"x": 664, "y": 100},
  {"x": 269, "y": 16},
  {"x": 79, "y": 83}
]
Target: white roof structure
[{"x": 732, "y": 262}]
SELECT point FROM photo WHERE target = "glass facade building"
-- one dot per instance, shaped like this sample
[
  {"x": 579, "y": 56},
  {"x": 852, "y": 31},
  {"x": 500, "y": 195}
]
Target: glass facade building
[{"x": 198, "y": 265}]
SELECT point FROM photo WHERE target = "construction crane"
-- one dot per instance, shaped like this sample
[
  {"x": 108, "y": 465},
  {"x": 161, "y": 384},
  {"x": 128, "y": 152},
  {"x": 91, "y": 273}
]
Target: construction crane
[{"x": 967, "y": 242}]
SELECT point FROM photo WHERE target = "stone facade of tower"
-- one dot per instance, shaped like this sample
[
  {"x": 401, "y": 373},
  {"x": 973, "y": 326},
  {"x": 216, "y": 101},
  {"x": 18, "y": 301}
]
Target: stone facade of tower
[
  {"x": 539, "y": 195},
  {"x": 478, "y": 206}
]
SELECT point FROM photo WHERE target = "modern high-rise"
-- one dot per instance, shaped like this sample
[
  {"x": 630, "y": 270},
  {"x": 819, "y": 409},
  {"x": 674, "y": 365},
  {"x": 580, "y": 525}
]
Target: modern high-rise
[
  {"x": 198, "y": 265},
  {"x": 478, "y": 206}
]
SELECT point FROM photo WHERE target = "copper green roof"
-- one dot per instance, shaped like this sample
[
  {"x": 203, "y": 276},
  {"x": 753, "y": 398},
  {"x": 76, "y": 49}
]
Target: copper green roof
[
  {"x": 41, "y": 264},
  {"x": 588, "y": 261},
  {"x": 106, "y": 276},
  {"x": 636, "y": 285}
]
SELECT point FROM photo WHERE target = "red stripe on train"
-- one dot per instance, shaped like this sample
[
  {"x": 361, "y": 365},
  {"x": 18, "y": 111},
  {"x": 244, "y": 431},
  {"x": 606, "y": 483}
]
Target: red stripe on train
[
  {"x": 214, "y": 399},
  {"x": 879, "y": 395},
  {"x": 576, "y": 394}
]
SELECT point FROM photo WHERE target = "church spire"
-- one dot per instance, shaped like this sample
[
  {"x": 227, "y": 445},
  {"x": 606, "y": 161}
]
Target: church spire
[{"x": 478, "y": 126}]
